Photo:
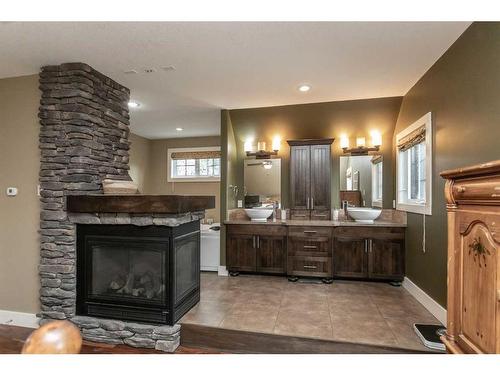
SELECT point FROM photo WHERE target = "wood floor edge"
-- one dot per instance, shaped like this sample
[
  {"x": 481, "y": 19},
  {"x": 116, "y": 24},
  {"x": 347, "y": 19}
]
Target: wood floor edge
[{"x": 243, "y": 342}]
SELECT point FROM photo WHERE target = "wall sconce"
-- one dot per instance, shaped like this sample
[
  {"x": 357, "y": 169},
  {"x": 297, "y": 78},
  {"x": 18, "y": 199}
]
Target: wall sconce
[
  {"x": 361, "y": 148},
  {"x": 261, "y": 152}
]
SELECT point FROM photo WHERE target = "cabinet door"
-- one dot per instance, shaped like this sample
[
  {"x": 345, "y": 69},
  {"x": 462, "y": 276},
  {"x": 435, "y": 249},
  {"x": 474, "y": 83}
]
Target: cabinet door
[
  {"x": 386, "y": 259},
  {"x": 320, "y": 177},
  {"x": 349, "y": 257},
  {"x": 271, "y": 254},
  {"x": 300, "y": 177},
  {"x": 480, "y": 298},
  {"x": 241, "y": 252}
]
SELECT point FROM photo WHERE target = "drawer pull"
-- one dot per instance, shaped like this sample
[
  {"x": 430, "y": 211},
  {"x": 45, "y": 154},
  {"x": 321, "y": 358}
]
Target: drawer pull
[
  {"x": 320, "y": 215},
  {"x": 310, "y": 247},
  {"x": 299, "y": 215},
  {"x": 310, "y": 232},
  {"x": 461, "y": 189},
  {"x": 310, "y": 267}
]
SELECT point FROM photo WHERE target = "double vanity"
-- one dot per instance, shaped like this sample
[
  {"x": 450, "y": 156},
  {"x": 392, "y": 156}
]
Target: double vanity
[
  {"x": 325, "y": 249},
  {"x": 310, "y": 241}
]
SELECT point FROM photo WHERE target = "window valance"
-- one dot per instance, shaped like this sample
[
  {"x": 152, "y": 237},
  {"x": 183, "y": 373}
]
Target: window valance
[
  {"x": 414, "y": 138},
  {"x": 195, "y": 155}
]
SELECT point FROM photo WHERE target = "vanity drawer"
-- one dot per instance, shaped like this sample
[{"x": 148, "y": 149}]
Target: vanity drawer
[
  {"x": 310, "y": 266},
  {"x": 257, "y": 229},
  {"x": 300, "y": 215},
  {"x": 320, "y": 215},
  {"x": 384, "y": 233},
  {"x": 316, "y": 233},
  {"x": 309, "y": 247}
]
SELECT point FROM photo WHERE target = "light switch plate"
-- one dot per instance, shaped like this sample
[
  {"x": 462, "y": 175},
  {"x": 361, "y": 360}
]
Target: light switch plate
[
  {"x": 11, "y": 191},
  {"x": 240, "y": 203}
]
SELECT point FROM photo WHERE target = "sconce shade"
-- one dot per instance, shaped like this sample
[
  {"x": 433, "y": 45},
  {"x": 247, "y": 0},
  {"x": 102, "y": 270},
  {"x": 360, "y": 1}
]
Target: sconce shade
[
  {"x": 344, "y": 142},
  {"x": 248, "y": 146},
  {"x": 360, "y": 142},
  {"x": 376, "y": 139},
  {"x": 276, "y": 143}
]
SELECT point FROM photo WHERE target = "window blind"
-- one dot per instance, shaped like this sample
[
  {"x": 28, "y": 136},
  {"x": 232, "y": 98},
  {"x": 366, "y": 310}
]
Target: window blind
[
  {"x": 195, "y": 155},
  {"x": 414, "y": 138}
]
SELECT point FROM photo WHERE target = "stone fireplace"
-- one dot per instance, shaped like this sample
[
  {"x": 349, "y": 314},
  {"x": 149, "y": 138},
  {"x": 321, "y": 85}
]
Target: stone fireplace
[{"x": 136, "y": 270}]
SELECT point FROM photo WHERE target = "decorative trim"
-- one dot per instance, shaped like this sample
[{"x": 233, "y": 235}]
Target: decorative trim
[
  {"x": 432, "y": 306},
  {"x": 222, "y": 271},
  {"x": 17, "y": 318}
]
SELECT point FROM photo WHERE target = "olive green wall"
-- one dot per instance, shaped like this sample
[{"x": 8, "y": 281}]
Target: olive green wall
[
  {"x": 319, "y": 120},
  {"x": 462, "y": 90}
]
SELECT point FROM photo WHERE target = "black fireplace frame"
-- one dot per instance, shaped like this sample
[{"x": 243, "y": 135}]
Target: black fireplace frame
[{"x": 175, "y": 304}]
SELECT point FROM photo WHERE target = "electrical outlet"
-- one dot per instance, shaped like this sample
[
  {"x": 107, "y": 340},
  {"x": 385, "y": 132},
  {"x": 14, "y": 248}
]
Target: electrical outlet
[
  {"x": 11, "y": 191},
  {"x": 240, "y": 203},
  {"x": 393, "y": 203}
]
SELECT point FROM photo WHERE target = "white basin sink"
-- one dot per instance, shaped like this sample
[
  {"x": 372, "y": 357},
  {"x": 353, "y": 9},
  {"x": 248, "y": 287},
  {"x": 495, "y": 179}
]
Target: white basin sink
[
  {"x": 259, "y": 214},
  {"x": 363, "y": 214}
]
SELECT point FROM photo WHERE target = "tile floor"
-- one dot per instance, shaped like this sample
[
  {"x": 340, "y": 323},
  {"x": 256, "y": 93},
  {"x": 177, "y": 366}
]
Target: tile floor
[{"x": 354, "y": 311}]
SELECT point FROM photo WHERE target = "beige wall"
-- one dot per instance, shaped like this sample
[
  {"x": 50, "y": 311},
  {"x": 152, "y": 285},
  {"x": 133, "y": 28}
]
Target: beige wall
[
  {"x": 157, "y": 173},
  {"x": 19, "y": 216},
  {"x": 140, "y": 149}
]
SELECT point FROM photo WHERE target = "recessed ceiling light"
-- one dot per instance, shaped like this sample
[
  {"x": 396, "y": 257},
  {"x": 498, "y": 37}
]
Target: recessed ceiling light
[
  {"x": 132, "y": 71},
  {"x": 168, "y": 68},
  {"x": 179, "y": 129},
  {"x": 133, "y": 104},
  {"x": 304, "y": 88}
]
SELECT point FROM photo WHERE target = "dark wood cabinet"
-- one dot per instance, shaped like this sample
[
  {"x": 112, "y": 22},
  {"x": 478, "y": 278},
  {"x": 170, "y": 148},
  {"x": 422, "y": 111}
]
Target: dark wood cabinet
[
  {"x": 369, "y": 252},
  {"x": 310, "y": 179},
  {"x": 300, "y": 177},
  {"x": 242, "y": 253},
  {"x": 349, "y": 257},
  {"x": 385, "y": 259},
  {"x": 310, "y": 251},
  {"x": 271, "y": 254},
  {"x": 256, "y": 248}
]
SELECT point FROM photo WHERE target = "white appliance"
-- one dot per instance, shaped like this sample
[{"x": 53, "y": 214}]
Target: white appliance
[{"x": 210, "y": 247}]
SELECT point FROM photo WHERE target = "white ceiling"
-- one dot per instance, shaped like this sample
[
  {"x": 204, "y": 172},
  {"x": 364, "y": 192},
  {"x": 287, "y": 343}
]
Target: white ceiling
[{"x": 232, "y": 65}]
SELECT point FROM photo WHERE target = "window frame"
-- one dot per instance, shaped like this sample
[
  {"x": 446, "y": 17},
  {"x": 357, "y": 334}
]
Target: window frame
[
  {"x": 196, "y": 178},
  {"x": 414, "y": 205},
  {"x": 377, "y": 181}
]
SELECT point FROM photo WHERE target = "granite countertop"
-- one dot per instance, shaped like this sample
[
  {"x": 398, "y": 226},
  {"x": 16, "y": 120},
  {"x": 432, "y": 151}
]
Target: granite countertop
[{"x": 321, "y": 223}]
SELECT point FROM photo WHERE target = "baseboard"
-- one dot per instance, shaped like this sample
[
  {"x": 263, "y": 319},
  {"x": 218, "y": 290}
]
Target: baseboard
[
  {"x": 16, "y": 318},
  {"x": 222, "y": 271},
  {"x": 434, "y": 308}
]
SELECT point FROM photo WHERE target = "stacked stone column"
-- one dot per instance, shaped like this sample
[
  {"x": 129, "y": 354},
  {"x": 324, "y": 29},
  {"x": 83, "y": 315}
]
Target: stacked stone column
[{"x": 84, "y": 130}]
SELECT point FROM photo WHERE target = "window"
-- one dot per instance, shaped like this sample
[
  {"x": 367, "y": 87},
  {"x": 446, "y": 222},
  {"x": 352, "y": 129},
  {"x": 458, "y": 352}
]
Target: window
[
  {"x": 377, "y": 180},
  {"x": 194, "y": 164},
  {"x": 414, "y": 158}
]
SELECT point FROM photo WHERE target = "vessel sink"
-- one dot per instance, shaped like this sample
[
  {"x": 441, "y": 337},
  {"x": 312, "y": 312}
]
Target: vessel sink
[
  {"x": 363, "y": 214},
  {"x": 258, "y": 214}
]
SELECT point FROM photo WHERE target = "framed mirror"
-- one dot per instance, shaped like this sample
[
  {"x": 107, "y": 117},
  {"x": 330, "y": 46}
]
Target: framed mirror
[
  {"x": 361, "y": 180},
  {"x": 262, "y": 182}
]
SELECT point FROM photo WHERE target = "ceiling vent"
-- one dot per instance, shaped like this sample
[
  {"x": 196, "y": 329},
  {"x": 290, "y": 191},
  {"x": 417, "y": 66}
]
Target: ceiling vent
[
  {"x": 168, "y": 68},
  {"x": 132, "y": 71}
]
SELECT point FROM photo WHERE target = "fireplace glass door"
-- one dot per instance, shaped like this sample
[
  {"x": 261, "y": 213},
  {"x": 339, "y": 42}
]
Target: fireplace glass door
[{"x": 126, "y": 269}]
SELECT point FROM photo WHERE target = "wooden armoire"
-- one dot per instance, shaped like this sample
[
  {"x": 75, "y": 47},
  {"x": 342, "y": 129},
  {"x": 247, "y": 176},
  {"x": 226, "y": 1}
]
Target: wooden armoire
[
  {"x": 473, "y": 204},
  {"x": 310, "y": 179}
]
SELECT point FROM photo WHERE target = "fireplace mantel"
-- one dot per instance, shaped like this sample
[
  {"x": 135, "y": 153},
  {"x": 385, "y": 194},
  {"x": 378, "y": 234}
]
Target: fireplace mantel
[{"x": 139, "y": 204}]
